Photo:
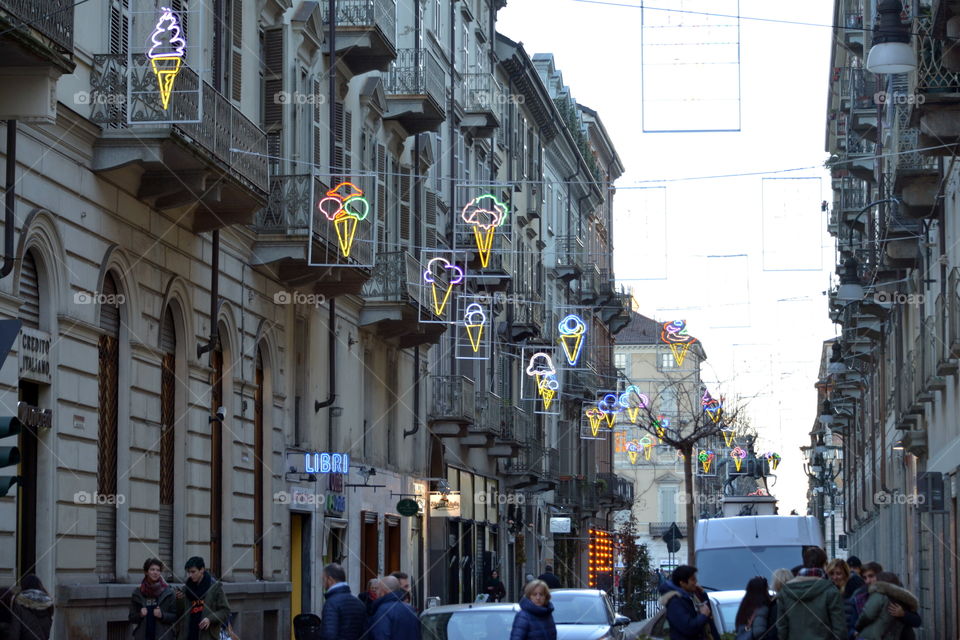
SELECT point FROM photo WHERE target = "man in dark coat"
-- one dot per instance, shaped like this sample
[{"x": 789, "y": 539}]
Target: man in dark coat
[
  {"x": 393, "y": 619},
  {"x": 548, "y": 576},
  {"x": 688, "y": 607},
  {"x": 344, "y": 617}
]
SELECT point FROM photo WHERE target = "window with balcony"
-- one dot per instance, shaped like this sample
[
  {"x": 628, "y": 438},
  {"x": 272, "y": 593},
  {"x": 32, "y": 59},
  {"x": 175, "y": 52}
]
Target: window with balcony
[{"x": 667, "y": 499}]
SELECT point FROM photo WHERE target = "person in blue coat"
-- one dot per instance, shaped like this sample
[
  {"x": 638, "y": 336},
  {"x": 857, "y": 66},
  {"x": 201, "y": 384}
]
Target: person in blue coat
[
  {"x": 344, "y": 617},
  {"x": 687, "y": 606},
  {"x": 392, "y": 618},
  {"x": 534, "y": 621}
]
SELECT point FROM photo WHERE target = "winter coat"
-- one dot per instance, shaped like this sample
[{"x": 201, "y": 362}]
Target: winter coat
[
  {"x": 811, "y": 608},
  {"x": 761, "y": 623},
  {"x": 686, "y": 621},
  {"x": 854, "y": 583},
  {"x": 852, "y": 608},
  {"x": 772, "y": 622},
  {"x": 552, "y": 581},
  {"x": 216, "y": 608},
  {"x": 875, "y": 622},
  {"x": 32, "y": 616},
  {"x": 164, "y": 626},
  {"x": 344, "y": 616},
  {"x": 533, "y": 622},
  {"x": 393, "y": 619},
  {"x": 495, "y": 590}
]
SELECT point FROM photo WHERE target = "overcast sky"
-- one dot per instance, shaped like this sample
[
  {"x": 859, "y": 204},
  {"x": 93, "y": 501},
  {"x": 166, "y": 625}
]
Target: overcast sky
[{"x": 745, "y": 260}]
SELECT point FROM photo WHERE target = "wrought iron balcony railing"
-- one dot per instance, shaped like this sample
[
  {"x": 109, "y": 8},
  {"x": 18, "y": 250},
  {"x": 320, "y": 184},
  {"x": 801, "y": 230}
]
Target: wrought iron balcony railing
[
  {"x": 223, "y": 126},
  {"x": 657, "y": 529},
  {"x": 453, "y": 399},
  {"x": 416, "y": 73},
  {"x": 933, "y": 76},
  {"x": 482, "y": 92},
  {"x": 489, "y": 408},
  {"x": 393, "y": 278},
  {"x": 365, "y": 14},
  {"x": 52, "y": 18},
  {"x": 578, "y": 492}
]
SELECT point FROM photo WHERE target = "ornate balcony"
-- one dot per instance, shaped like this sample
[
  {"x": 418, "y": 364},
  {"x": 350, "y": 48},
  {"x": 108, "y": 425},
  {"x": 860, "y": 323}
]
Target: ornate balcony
[
  {"x": 589, "y": 284},
  {"x": 391, "y": 306},
  {"x": 488, "y": 423},
  {"x": 452, "y": 407},
  {"x": 615, "y": 491},
  {"x": 657, "y": 529},
  {"x": 570, "y": 257},
  {"x": 482, "y": 100},
  {"x": 850, "y": 197},
  {"x": 282, "y": 249},
  {"x": 534, "y": 467},
  {"x": 36, "y": 48},
  {"x": 946, "y": 307},
  {"x": 916, "y": 175},
  {"x": 366, "y": 33},
  {"x": 938, "y": 83},
  {"x": 415, "y": 91},
  {"x": 863, "y": 105},
  {"x": 186, "y": 164},
  {"x": 578, "y": 493},
  {"x": 528, "y": 317}
]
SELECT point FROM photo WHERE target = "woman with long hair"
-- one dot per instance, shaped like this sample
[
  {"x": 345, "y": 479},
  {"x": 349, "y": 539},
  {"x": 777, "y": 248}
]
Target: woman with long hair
[
  {"x": 32, "y": 611},
  {"x": 752, "y": 616},
  {"x": 534, "y": 621},
  {"x": 839, "y": 573}
]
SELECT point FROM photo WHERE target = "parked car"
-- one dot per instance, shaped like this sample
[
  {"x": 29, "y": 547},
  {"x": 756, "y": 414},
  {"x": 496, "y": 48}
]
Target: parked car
[
  {"x": 580, "y": 614},
  {"x": 723, "y": 604}
]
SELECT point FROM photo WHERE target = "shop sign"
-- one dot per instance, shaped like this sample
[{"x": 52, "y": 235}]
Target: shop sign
[
  {"x": 445, "y": 505},
  {"x": 34, "y": 418},
  {"x": 336, "y": 502},
  {"x": 318, "y": 462},
  {"x": 559, "y": 525},
  {"x": 408, "y": 507},
  {"x": 34, "y": 355}
]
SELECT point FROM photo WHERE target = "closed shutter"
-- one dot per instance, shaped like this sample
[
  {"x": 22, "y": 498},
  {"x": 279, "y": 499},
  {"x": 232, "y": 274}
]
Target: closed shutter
[
  {"x": 347, "y": 127},
  {"x": 338, "y": 160},
  {"x": 430, "y": 213},
  {"x": 182, "y": 12},
  {"x": 272, "y": 80},
  {"x": 381, "y": 198},
  {"x": 317, "y": 124},
  {"x": 168, "y": 346},
  {"x": 119, "y": 31},
  {"x": 236, "y": 53},
  {"x": 404, "y": 178},
  {"x": 29, "y": 292},
  {"x": 109, "y": 365}
]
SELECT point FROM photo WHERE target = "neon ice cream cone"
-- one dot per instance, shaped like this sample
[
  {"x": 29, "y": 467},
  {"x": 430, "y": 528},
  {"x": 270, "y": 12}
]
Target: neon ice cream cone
[
  {"x": 632, "y": 455},
  {"x": 547, "y": 395},
  {"x": 610, "y": 418},
  {"x": 440, "y": 299},
  {"x": 484, "y": 238},
  {"x": 475, "y": 333},
  {"x": 647, "y": 450},
  {"x": 632, "y": 413},
  {"x": 679, "y": 352},
  {"x": 633, "y": 450},
  {"x": 346, "y": 227},
  {"x": 166, "y": 70},
  {"x": 706, "y": 465},
  {"x": 166, "y": 52},
  {"x": 596, "y": 416},
  {"x": 728, "y": 436},
  {"x": 738, "y": 462},
  {"x": 571, "y": 345}
]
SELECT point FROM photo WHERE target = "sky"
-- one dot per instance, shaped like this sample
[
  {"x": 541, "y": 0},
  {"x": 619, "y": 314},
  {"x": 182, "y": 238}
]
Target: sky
[{"x": 745, "y": 260}]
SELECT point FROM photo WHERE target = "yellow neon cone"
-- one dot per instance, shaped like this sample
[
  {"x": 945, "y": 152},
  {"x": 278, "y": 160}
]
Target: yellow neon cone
[
  {"x": 632, "y": 413},
  {"x": 547, "y": 395},
  {"x": 633, "y": 456},
  {"x": 706, "y": 466},
  {"x": 484, "y": 238},
  {"x": 738, "y": 462},
  {"x": 166, "y": 69},
  {"x": 610, "y": 418},
  {"x": 440, "y": 305},
  {"x": 647, "y": 450},
  {"x": 346, "y": 227},
  {"x": 571, "y": 345},
  {"x": 728, "y": 437},
  {"x": 595, "y": 422},
  {"x": 475, "y": 333},
  {"x": 680, "y": 352}
]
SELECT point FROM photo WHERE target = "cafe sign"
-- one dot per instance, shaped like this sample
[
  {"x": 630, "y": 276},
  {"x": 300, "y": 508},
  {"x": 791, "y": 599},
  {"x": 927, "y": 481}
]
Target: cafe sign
[
  {"x": 34, "y": 355},
  {"x": 445, "y": 505}
]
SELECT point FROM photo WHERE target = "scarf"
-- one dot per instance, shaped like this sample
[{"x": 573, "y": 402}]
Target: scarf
[
  {"x": 812, "y": 573},
  {"x": 197, "y": 591},
  {"x": 153, "y": 589}
]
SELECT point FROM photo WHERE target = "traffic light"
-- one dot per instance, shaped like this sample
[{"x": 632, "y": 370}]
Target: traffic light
[{"x": 9, "y": 456}]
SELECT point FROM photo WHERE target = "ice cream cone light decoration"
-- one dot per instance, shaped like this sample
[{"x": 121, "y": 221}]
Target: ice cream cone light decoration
[
  {"x": 773, "y": 459},
  {"x": 345, "y": 206},
  {"x": 166, "y": 53},
  {"x": 728, "y": 436},
  {"x": 675, "y": 334},
  {"x": 474, "y": 320},
  {"x": 542, "y": 369},
  {"x": 633, "y": 450},
  {"x": 439, "y": 290},
  {"x": 572, "y": 329},
  {"x": 706, "y": 459},
  {"x": 609, "y": 405},
  {"x": 712, "y": 406},
  {"x": 596, "y": 417},
  {"x": 662, "y": 423},
  {"x": 484, "y": 214},
  {"x": 647, "y": 443},
  {"x": 631, "y": 400},
  {"x": 738, "y": 455}
]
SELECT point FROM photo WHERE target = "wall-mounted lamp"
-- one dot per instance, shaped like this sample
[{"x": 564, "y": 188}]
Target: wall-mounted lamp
[
  {"x": 826, "y": 413},
  {"x": 891, "y": 51},
  {"x": 851, "y": 289},
  {"x": 836, "y": 364}
]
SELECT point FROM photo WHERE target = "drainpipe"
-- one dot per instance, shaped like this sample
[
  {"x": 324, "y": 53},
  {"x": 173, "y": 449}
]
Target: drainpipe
[
  {"x": 10, "y": 197},
  {"x": 417, "y": 234},
  {"x": 331, "y": 360},
  {"x": 214, "y": 296},
  {"x": 416, "y": 394}
]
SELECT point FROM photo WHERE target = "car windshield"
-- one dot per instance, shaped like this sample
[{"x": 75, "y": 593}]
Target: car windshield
[
  {"x": 469, "y": 623},
  {"x": 579, "y": 608},
  {"x": 724, "y": 569}
]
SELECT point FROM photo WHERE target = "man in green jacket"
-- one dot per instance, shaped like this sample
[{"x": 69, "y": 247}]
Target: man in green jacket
[
  {"x": 202, "y": 606},
  {"x": 810, "y": 606}
]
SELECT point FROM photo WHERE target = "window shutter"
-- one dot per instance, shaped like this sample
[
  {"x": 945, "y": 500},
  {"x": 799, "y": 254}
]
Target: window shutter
[
  {"x": 272, "y": 81},
  {"x": 29, "y": 292},
  {"x": 381, "y": 197},
  {"x": 236, "y": 63},
  {"x": 119, "y": 32},
  {"x": 338, "y": 160},
  {"x": 430, "y": 214},
  {"x": 404, "y": 204},
  {"x": 317, "y": 125},
  {"x": 345, "y": 122}
]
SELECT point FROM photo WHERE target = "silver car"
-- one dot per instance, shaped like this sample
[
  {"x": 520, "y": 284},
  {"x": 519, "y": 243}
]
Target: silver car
[
  {"x": 723, "y": 604},
  {"x": 580, "y": 614}
]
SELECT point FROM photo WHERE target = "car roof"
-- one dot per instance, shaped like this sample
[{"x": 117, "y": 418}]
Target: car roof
[{"x": 486, "y": 606}]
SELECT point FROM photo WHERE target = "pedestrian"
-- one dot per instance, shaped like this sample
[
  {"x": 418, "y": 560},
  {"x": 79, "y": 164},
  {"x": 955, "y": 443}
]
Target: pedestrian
[
  {"x": 202, "y": 606},
  {"x": 854, "y": 605},
  {"x": 855, "y": 581},
  {"x": 368, "y": 596},
  {"x": 534, "y": 621},
  {"x": 855, "y": 565},
  {"x": 494, "y": 588},
  {"x": 810, "y": 606},
  {"x": 887, "y": 596},
  {"x": 688, "y": 607},
  {"x": 839, "y": 574},
  {"x": 548, "y": 576},
  {"x": 404, "y": 581},
  {"x": 32, "y": 611},
  {"x": 752, "y": 620},
  {"x": 153, "y": 605},
  {"x": 779, "y": 578},
  {"x": 393, "y": 619},
  {"x": 344, "y": 617}
]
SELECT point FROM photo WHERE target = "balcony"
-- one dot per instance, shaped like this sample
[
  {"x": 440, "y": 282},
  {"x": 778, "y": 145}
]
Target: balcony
[
  {"x": 452, "y": 407},
  {"x": 570, "y": 256},
  {"x": 902, "y": 235},
  {"x": 415, "y": 91},
  {"x": 188, "y": 165},
  {"x": 578, "y": 493},
  {"x": 916, "y": 175},
  {"x": 853, "y": 35},
  {"x": 535, "y": 467},
  {"x": 515, "y": 424},
  {"x": 282, "y": 248},
  {"x": 391, "y": 307},
  {"x": 527, "y": 318},
  {"x": 366, "y": 32},
  {"x": 946, "y": 308},
  {"x": 939, "y": 86},
  {"x": 615, "y": 491},
  {"x": 657, "y": 529},
  {"x": 589, "y": 284},
  {"x": 488, "y": 423},
  {"x": 863, "y": 105},
  {"x": 36, "y": 48},
  {"x": 496, "y": 275},
  {"x": 482, "y": 99}
]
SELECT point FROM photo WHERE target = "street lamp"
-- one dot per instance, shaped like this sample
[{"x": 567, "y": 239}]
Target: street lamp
[
  {"x": 836, "y": 364},
  {"x": 851, "y": 288},
  {"x": 891, "y": 51},
  {"x": 826, "y": 413}
]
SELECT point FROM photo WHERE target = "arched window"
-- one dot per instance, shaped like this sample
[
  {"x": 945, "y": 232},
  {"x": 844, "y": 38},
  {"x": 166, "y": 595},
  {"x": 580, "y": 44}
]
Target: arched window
[
  {"x": 109, "y": 366},
  {"x": 168, "y": 396}
]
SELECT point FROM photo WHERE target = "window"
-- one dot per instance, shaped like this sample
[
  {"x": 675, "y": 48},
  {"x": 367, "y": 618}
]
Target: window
[
  {"x": 438, "y": 19},
  {"x": 666, "y": 361},
  {"x": 620, "y": 361},
  {"x": 667, "y": 499}
]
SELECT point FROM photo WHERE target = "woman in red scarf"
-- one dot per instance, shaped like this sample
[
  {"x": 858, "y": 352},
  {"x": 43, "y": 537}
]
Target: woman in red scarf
[{"x": 153, "y": 607}]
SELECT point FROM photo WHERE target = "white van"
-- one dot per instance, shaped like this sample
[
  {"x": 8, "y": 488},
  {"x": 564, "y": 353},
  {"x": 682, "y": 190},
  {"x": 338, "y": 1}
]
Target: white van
[{"x": 730, "y": 551}]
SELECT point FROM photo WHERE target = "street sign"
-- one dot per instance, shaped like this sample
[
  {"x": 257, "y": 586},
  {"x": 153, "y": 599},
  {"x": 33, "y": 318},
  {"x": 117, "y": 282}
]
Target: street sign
[
  {"x": 408, "y": 507},
  {"x": 672, "y": 538}
]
